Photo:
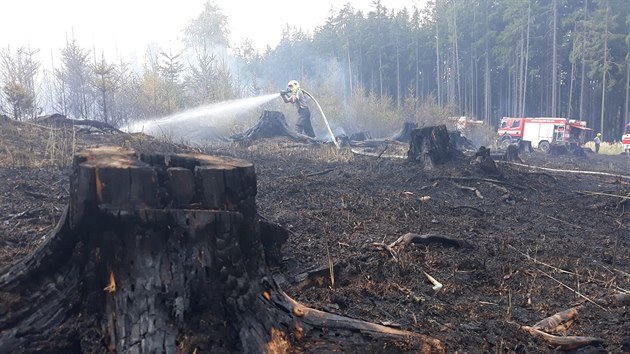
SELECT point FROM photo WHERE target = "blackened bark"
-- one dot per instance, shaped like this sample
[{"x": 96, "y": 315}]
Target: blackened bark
[
  {"x": 486, "y": 163},
  {"x": 271, "y": 124},
  {"x": 511, "y": 153},
  {"x": 431, "y": 146},
  {"x": 163, "y": 254}
]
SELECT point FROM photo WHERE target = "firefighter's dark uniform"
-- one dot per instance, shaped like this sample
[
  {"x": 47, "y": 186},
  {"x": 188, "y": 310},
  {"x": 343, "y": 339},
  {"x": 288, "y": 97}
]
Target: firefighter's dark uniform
[{"x": 303, "y": 124}]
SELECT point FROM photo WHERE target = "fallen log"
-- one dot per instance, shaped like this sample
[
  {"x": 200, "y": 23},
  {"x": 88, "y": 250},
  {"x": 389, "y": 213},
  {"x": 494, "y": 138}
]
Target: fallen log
[
  {"x": 163, "y": 253},
  {"x": 86, "y": 124}
]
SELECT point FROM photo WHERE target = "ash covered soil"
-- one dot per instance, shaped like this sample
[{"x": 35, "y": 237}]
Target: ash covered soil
[{"x": 536, "y": 242}]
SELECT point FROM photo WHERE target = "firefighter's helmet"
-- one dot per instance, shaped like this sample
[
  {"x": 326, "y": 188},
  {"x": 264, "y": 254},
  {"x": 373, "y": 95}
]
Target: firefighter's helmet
[{"x": 293, "y": 85}]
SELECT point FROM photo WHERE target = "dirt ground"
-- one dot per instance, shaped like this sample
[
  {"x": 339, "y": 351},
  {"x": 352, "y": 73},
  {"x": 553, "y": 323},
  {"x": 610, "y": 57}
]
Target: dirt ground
[{"x": 537, "y": 241}]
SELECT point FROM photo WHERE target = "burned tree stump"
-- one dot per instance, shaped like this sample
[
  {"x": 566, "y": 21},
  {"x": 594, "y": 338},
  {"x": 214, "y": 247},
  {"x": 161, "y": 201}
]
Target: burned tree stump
[
  {"x": 163, "y": 254},
  {"x": 343, "y": 140},
  {"x": 511, "y": 153},
  {"x": 430, "y": 146},
  {"x": 525, "y": 146},
  {"x": 558, "y": 150},
  {"x": 271, "y": 124},
  {"x": 485, "y": 162}
]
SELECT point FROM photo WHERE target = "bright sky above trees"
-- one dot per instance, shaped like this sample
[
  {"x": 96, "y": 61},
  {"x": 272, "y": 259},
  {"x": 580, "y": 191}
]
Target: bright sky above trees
[{"x": 124, "y": 27}]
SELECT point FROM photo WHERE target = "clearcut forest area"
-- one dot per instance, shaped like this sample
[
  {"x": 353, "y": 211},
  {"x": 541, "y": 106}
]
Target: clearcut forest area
[{"x": 508, "y": 250}]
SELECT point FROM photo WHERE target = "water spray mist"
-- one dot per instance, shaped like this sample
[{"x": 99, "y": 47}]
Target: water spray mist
[{"x": 217, "y": 114}]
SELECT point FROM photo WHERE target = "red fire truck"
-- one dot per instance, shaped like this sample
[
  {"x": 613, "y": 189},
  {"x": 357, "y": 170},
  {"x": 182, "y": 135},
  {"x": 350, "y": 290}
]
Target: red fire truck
[
  {"x": 625, "y": 139},
  {"x": 542, "y": 131}
]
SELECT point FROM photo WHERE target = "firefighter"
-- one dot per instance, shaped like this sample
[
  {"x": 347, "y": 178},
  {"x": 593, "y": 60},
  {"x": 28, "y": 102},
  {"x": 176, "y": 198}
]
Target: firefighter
[
  {"x": 598, "y": 141},
  {"x": 293, "y": 94}
]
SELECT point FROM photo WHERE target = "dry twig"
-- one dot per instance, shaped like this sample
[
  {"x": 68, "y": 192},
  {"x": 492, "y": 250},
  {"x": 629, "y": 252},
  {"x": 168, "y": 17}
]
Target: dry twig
[{"x": 575, "y": 291}]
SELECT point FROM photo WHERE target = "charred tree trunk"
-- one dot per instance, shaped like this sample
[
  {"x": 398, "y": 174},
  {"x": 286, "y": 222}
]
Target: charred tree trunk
[
  {"x": 431, "y": 146},
  {"x": 486, "y": 163},
  {"x": 525, "y": 146},
  {"x": 271, "y": 124},
  {"x": 163, "y": 254},
  {"x": 511, "y": 153},
  {"x": 558, "y": 149}
]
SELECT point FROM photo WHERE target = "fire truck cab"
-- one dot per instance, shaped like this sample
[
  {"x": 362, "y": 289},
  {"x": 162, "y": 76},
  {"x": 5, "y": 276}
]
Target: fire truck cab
[
  {"x": 625, "y": 139},
  {"x": 542, "y": 132}
]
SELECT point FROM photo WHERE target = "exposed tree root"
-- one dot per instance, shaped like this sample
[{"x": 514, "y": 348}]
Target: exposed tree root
[
  {"x": 559, "y": 322},
  {"x": 152, "y": 251},
  {"x": 332, "y": 323},
  {"x": 564, "y": 343}
]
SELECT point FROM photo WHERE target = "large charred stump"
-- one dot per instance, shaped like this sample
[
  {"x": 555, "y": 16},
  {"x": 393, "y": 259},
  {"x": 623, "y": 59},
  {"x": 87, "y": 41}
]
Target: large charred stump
[
  {"x": 430, "y": 146},
  {"x": 525, "y": 146},
  {"x": 511, "y": 153},
  {"x": 484, "y": 161},
  {"x": 558, "y": 150},
  {"x": 163, "y": 254},
  {"x": 271, "y": 124}
]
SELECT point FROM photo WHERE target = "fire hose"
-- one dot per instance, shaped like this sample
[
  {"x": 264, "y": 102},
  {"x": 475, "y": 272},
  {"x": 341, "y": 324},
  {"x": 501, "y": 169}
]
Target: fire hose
[{"x": 332, "y": 136}]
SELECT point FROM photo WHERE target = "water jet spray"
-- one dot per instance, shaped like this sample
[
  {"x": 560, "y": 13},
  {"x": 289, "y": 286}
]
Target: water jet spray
[{"x": 215, "y": 116}]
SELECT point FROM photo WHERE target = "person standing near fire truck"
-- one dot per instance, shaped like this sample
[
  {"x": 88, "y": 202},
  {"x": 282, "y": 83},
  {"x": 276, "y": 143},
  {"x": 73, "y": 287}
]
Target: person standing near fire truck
[{"x": 598, "y": 142}]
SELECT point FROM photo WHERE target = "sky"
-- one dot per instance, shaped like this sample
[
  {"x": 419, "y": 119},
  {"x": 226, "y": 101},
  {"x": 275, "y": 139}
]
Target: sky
[{"x": 120, "y": 28}]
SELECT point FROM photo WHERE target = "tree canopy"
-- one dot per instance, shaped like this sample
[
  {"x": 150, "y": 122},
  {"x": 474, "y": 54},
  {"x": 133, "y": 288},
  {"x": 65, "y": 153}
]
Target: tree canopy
[{"x": 482, "y": 58}]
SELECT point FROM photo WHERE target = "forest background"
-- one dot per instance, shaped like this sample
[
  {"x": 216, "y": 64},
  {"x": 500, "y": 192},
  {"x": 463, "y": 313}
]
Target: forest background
[{"x": 371, "y": 70}]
